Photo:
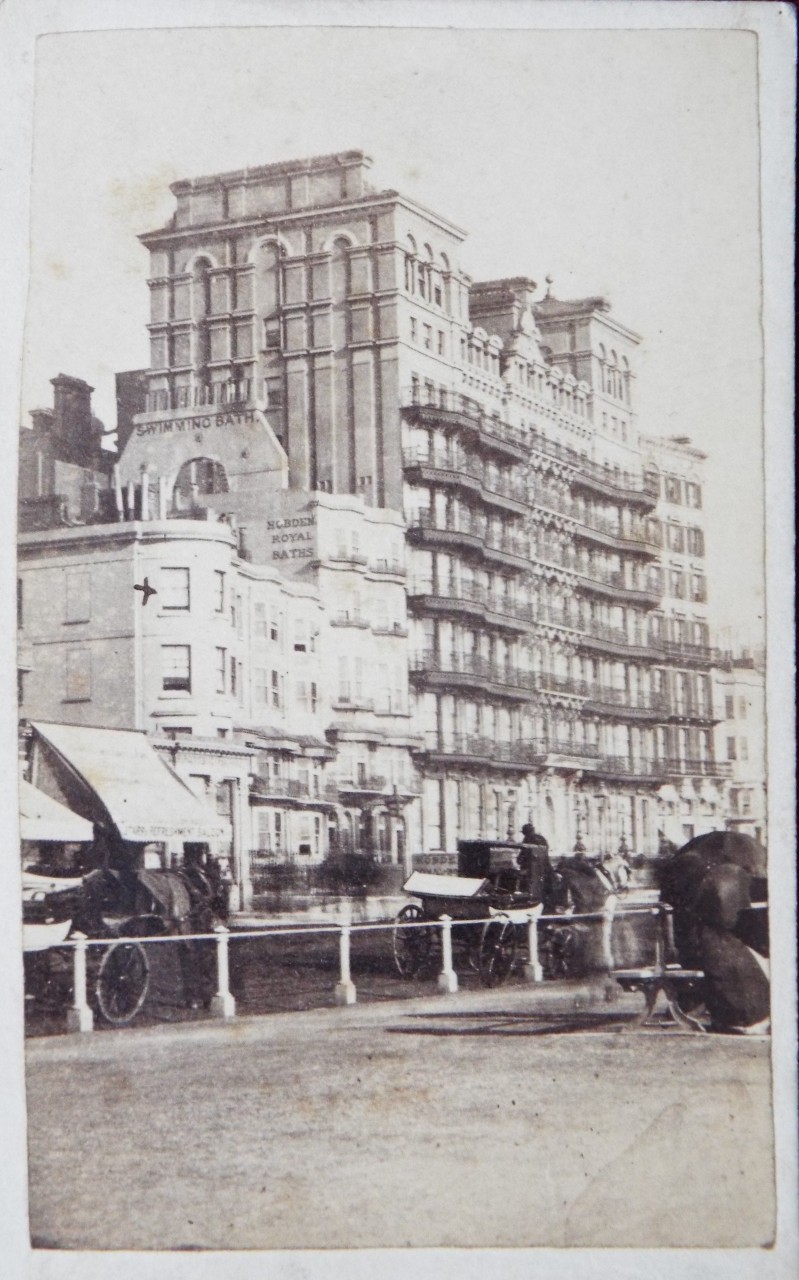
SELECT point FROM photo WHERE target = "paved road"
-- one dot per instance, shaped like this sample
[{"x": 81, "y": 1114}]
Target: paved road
[{"x": 491, "y": 1118}]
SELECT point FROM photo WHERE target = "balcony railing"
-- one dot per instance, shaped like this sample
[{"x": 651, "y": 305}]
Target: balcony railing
[
  {"x": 426, "y": 525},
  {"x": 373, "y": 782},
  {"x": 508, "y": 544},
  {"x": 473, "y": 599},
  {"x": 344, "y": 556},
  {"x": 565, "y": 747},
  {"x": 347, "y": 618},
  {"x": 551, "y": 554},
  {"x": 519, "y": 755},
  {"x": 201, "y": 394},
  {"x": 460, "y": 466},
  {"x": 622, "y": 701},
  {"x": 557, "y": 502},
  {"x": 608, "y": 582},
  {"x": 263, "y": 788},
  {"x": 703, "y": 654},
  {"x": 451, "y": 408},
  {"x": 348, "y": 699},
  {"x": 385, "y": 565},
  {"x": 389, "y": 629},
  {"x": 597, "y": 529},
  {"x": 473, "y": 533},
  {"x": 621, "y": 766},
  {"x": 600, "y": 635},
  {"x": 472, "y": 667},
  {"x": 551, "y": 683},
  {"x": 615, "y": 482}
]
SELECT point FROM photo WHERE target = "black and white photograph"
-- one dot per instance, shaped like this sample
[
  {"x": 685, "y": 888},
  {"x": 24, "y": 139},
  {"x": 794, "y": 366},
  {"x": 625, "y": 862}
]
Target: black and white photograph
[{"x": 400, "y": 850}]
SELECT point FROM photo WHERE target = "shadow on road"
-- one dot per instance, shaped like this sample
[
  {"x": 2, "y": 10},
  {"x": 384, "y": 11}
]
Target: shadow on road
[{"x": 501, "y": 1023}]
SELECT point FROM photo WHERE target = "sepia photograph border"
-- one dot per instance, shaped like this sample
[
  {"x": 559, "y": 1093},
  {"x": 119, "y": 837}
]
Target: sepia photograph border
[{"x": 21, "y": 23}]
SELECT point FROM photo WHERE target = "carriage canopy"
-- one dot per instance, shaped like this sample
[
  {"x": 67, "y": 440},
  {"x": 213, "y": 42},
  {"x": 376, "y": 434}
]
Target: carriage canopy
[{"x": 144, "y": 798}]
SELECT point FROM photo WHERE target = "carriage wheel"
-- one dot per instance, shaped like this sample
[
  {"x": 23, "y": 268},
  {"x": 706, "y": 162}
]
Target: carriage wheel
[
  {"x": 412, "y": 947},
  {"x": 497, "y": 949},
  {"x": 122, "y": 982},
  {"x": 560, "y": 951}
]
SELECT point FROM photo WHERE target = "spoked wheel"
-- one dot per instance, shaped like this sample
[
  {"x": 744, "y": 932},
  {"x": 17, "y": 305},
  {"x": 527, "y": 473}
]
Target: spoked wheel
[
  {"x": 497, "y": 950},
  {"x": 560, "y": 952},
  {"x": 473, "y": 940},
  {"x": 412, "y": 946},
  {"x": 122, "y": 982}
]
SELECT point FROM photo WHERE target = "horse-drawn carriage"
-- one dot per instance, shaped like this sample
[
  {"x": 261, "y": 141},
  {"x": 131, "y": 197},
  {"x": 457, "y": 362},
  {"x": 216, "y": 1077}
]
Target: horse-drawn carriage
[
  {"x": 120, "y": 905},
  {"x": 499, "y": 888}
]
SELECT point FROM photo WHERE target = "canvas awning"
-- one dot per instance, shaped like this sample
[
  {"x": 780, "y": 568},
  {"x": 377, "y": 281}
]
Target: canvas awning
[
  {"x": 145, "y": 799},
  {"x": 42, "y": 818}
]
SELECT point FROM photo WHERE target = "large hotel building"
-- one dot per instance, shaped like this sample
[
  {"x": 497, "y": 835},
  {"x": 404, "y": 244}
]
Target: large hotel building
[{"x": 420, "y": 572}]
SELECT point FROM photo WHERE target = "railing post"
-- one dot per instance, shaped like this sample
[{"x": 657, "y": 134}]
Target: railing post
[
  {"x": 448, "y": 978},
  {"x": 223, "y": 1005},
  {"x": 80, "y": 1016},
  {"x": 532, "y": 970},
  {"x": 345, "y": 992}
]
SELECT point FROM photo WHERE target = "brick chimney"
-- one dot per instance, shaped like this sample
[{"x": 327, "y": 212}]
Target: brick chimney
[{"x": 72, "y": 404}]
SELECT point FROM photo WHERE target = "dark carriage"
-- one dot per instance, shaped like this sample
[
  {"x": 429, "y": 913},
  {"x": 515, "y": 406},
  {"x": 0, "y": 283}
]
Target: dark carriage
[
  {"x": 123, "y": 905},
  {"x": 502, "y": 884},
  {"x": 716, "y": 889}
]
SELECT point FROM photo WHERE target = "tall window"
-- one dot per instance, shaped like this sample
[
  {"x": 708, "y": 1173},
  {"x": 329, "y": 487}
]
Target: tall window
[
  {"x": 221, "y": 669},
  {"x": 300, "y": 635},
  {"x": 219, "y": 591},
  {"x": 20, "y": 604},
  {"x": 176, "y": 667},
  {"x": 272, "y": 337},
  {"x": 78, "y": 602},
  {"x": 78, "y": 676},
  {"x": 174, "y": 589},
  {"x": 343, "y": 680},
  {"x": 260, "y": 618},
  {"x": 261, "y": 686},
  {"x": 275, "y": 689}
]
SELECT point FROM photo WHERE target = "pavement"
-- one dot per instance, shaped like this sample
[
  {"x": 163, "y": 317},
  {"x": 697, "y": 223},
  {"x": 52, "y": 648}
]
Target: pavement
[{"x": 514, "y": 1117}]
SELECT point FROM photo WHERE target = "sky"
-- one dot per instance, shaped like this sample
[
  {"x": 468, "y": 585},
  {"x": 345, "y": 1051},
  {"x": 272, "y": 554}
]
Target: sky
[{"x": 620, "y": 163}]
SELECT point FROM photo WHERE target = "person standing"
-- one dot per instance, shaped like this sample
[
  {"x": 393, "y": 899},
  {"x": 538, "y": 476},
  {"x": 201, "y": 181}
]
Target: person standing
[{"x": 533, "y": 862}]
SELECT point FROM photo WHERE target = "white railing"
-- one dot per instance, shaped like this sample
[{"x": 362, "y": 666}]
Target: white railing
[{"x": 80, "y": 1016}]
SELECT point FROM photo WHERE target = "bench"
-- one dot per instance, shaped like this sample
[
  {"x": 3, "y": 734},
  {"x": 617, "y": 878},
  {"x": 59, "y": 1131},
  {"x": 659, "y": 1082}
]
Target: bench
[{"x": 666, "y": 978}]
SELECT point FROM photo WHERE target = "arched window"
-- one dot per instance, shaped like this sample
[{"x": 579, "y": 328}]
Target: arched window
[{"x": 198, "y": 476}]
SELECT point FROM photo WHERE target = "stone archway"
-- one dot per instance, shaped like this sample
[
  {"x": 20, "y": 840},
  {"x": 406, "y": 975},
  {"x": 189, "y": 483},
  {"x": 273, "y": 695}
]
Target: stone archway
[{"x": 198, "y": 476}]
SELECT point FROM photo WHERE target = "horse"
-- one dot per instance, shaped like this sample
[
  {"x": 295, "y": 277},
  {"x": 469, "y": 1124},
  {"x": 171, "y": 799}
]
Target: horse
[{"x": 711, "y": 884}]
